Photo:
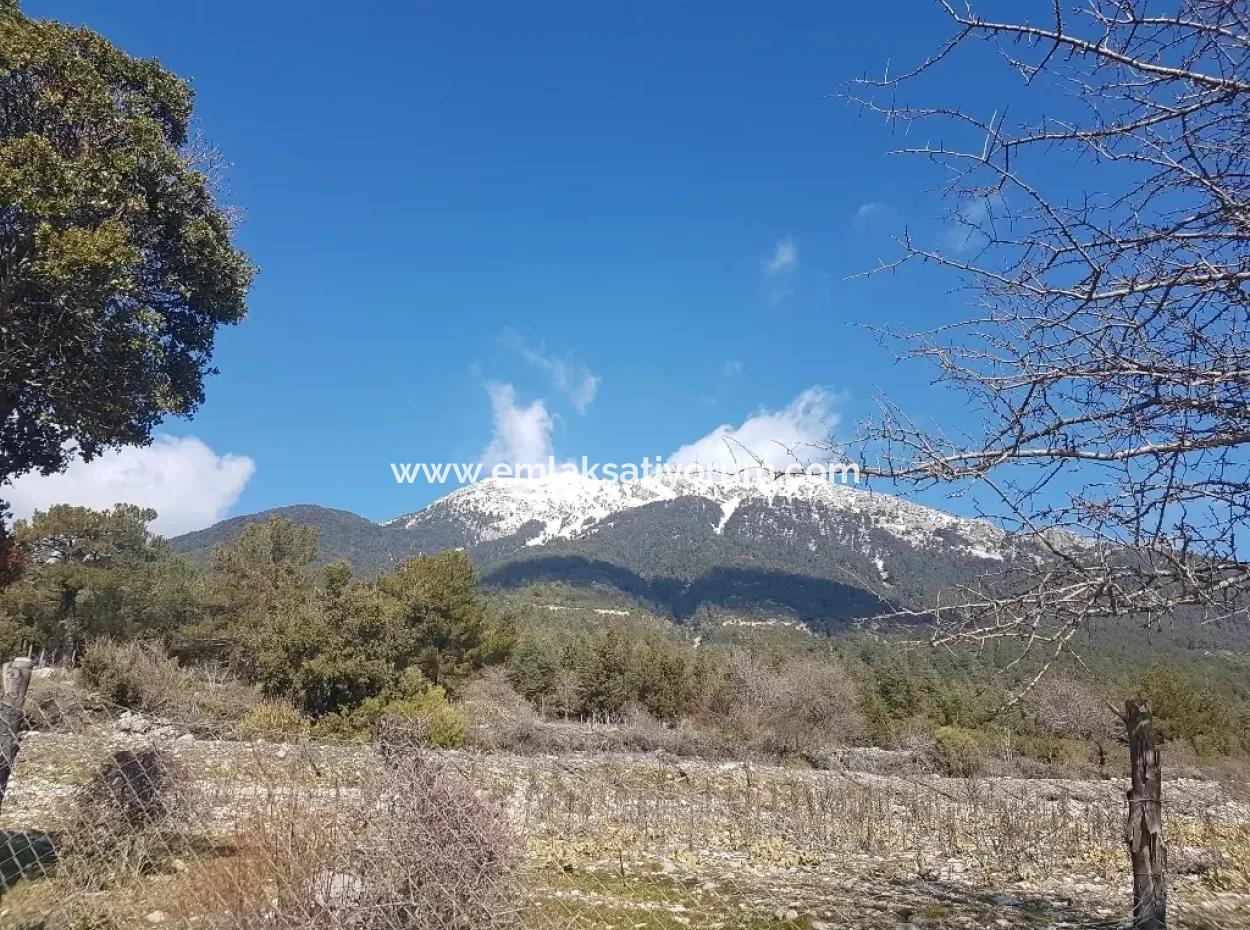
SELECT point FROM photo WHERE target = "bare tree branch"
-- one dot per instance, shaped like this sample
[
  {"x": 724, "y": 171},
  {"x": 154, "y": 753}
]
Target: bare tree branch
[{"x": 1106, "y": 250}]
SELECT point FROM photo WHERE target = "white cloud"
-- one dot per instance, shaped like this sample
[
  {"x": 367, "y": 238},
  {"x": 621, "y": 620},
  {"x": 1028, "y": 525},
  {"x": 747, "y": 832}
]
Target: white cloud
[
  {"x": 569, "y": 376},
  {"x": 778, "y": 438},
  {"x": 522, "y": 435},
  {"x": 182, "y": 479},
  {"x": 784, "y": 260}
]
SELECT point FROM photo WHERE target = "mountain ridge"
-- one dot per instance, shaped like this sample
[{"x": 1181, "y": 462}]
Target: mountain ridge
[{"x": 824, "y": 552}]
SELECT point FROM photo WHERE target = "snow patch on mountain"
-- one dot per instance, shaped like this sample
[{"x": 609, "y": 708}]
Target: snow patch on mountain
[{"x": 727, "y": 511}]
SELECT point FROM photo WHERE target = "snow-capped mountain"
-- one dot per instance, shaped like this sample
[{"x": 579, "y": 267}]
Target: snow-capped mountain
[
  {"x": 805, "y": 546},
  {"x": 569, "y": 506}
]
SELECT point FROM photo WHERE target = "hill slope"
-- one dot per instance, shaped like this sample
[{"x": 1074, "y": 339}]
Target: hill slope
[{"x": 368, "y": 546}]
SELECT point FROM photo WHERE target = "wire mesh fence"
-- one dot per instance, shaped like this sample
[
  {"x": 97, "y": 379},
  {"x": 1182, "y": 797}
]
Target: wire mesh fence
[{"x": 113, "y": 820}]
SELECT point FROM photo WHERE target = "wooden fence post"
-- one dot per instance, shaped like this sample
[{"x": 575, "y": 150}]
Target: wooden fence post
[
  {"x": 14, "y": 680},
  {"x": 1144, "y": 831}
]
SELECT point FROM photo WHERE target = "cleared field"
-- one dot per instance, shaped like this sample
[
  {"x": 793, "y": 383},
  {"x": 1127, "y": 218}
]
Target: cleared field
[{"x": 638, "y": 842}]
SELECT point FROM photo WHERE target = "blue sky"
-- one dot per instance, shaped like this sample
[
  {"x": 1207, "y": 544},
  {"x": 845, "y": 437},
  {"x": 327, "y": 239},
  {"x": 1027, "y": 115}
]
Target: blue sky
[{"x": 642, "y": 216}]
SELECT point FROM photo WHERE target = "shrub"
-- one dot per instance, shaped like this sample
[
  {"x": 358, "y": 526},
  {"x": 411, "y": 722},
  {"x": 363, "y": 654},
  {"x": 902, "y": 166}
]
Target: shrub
[
  {"x": 396, "y": 738},
  {"x": 956, "y": 753},
  {"x": 438, "y": 854},
  {"x": 217, "y": 701},
  {"x": 1068, "y": 754},
  {"x": 444, "y": 723},
  {"x": 797, "y": 707},
  {"x": 496, "y": 712},
  {"x": 411, "y": 699},
  {"x": 133, "y": 790},
  {"x": 137, "y": 676},
  {"x": 273, "y": 720},
  {"x": 680, "y": 741},
  {"x": 417, "y": 849},
  {"x": 279, "y": 848},
  {"x": 491, "y": 696},
  {"x": 128, "y": 820},
  {"x": 813, "y": 703}
]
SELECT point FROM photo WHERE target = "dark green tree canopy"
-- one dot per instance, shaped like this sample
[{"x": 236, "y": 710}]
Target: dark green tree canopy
[
  {"x": 91, "y": 573},
  {"x": 116, "y": 261}
]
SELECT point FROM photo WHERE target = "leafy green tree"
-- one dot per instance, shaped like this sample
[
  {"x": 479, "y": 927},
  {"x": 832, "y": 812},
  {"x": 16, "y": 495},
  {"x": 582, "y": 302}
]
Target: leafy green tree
[
  {"x": 898, "y": 687},
  {"x": 666, "y": 678},
  {"x": 335, "y": 578},
  {"x": 89, "y": 574},
  {"x": 313, "y": 637},
  {"x": 169, "y": 595},
  {"x": 603, "y": 686},
  {"x": 270, "y": 566},
  {"x": 116, "y": 261},
  {"x": 12, "y": 559},
  {"x": 307, "y": 653},
  {"x": 1184, "y": 710},
  {"x": 329, "y": 642},
  {"x": 533, "y": 667},
  {"x": 438, "y": 604},
  {"x": 269, "y": 563}
]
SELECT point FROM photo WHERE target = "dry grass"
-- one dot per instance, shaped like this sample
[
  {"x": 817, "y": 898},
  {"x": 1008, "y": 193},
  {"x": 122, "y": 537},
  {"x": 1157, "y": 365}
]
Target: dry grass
[
  {"x": 266, "y": 864},
  {"x": 304, "y": 837},
  {"x": 414, "y": 848},
  {"x": 57, "y": 702},
  {"x": 143, "y": 678}
]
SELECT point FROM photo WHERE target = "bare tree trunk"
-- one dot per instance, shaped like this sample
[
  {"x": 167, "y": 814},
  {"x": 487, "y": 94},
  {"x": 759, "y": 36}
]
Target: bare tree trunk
[
  {"x": 15, "y": 679},
  {"x": 1144, "y": 832}
]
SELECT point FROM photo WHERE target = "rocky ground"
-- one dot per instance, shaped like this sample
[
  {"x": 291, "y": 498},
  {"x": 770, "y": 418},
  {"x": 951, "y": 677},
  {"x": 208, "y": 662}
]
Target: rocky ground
[{"x": 642, "y": 842}]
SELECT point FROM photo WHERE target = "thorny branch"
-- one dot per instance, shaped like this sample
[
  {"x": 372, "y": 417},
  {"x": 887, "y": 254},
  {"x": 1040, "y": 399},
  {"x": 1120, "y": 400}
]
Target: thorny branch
[{"x": 1106, "y": 249}]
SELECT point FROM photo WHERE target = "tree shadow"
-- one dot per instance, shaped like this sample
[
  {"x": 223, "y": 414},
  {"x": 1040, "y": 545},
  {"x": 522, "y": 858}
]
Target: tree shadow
[{"x": 810, "y": 599}]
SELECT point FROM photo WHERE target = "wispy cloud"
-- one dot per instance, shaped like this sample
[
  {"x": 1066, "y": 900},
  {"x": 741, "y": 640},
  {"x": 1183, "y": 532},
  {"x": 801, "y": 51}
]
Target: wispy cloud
[
  {"x": 569, "y": 376},
  {"x": 188, "y": 484},
  {"x": 521, "y": 434},
  {"x": 800, "y": 432},
  {"x": 784, "y": 260},
  {"x": 779, "y": 270},
  {"x": 966, "y": 232},
  {"x": 873, "y": 215},
  {"x": 870, "y": 209},
  {"x": 733, "y": 368}
]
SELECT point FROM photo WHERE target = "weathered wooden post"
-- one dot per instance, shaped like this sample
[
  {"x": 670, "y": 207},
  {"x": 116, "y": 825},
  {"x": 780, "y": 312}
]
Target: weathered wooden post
[
  {"x": 1144, "y": 832},
  {"x": 14, "y": 680}
]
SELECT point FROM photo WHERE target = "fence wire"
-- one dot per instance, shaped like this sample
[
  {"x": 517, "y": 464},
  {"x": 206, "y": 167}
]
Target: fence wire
[{"x": 118, "y": 822}]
